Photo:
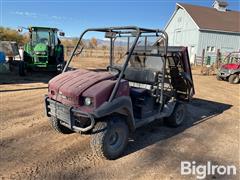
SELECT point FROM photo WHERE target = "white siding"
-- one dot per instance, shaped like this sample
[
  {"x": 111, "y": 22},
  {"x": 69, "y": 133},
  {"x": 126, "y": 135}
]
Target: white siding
[
  {"x": 226, "y": 42},
  {"x": 183, "y": 31}
]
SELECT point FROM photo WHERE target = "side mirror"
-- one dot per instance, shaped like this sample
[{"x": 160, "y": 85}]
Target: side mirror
[
  {"x": 19, "y": 30},
  {"x": 61, "y": 33}
]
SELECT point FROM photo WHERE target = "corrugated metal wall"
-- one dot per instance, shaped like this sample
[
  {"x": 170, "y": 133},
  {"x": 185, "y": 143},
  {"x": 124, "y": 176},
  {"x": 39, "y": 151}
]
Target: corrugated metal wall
[
  {"x": 226, "y": 42},
  {"x": 183, "y": 31}
]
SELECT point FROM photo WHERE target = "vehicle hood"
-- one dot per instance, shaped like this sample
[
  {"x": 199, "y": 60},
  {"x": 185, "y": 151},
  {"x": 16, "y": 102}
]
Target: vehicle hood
[
  {"x": 231, "y": 66},
  {"x": 69, "y": 86}
]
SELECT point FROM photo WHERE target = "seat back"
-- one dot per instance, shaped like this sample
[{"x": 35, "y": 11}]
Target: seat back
[
  {"x": 143, "y": 69},
  {"x": 141, "y": 75}
]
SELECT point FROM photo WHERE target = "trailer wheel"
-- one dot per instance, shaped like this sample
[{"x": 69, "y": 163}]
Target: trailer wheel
[
  {"x": 109, "y": 138},
  {"x": 177, "y": 117},
  {"x": 233, "y": 79},
  {"x": 22, "y": 69},
  {"x": 58, "y": 127}
]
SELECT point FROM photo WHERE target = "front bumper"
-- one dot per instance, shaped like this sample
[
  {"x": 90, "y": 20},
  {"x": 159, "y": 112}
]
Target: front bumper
[
  {"x": 67, "y": 115},
  {"x": 223, "y": 73}
]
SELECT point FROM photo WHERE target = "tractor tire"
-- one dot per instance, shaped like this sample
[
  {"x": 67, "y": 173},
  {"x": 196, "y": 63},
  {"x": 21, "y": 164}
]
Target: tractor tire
[
  {"x": 22, "y": 69},
  {"x": 233, "y": 79},
  {"x": 109, "y": 138},
  {"x": 177, "y": 117},
  {"x": 55, "y": 123},
  {"x": 219, "y": 78}
]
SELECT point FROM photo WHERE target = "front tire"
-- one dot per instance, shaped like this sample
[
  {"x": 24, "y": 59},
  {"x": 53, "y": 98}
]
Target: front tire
[
  {"x": 219, "y": 78},
  {"x": 110, "y": 138},
  {"x": 58, "y": 127},
  {"x": 177, "y": 117},
  {"x": 233, "y": 79}
]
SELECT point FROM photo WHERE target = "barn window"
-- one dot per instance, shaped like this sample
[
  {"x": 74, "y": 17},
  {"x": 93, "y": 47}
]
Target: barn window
[{"x": 210, "y": 49}]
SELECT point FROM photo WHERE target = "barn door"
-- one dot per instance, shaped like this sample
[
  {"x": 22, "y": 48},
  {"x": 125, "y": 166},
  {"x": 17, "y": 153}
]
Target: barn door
[{"x": 192, "y": 54}]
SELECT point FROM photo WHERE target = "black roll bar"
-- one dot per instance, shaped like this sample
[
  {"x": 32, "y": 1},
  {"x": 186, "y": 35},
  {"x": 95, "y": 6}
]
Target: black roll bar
[{"x": 125, "y": 30}]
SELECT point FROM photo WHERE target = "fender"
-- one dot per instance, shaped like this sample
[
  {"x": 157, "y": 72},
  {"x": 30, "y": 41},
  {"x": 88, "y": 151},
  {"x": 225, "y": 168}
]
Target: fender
[
  {"x": 235, "y": 71},
  {"x": 121, "y": 105}
]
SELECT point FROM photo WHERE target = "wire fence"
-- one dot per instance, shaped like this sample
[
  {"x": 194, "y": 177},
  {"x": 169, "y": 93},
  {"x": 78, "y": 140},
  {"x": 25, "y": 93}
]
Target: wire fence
[
  {"x": 217, "y": 59},
  {"x": 96, "y": 53}
]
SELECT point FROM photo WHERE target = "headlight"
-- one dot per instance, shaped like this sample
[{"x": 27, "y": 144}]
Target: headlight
[
  {"x": 87, "y": 101},
  {"x": 41, "y": 53}
]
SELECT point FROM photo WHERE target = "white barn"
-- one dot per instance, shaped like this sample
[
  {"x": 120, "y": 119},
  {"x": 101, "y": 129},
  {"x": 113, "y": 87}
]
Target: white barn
[{"x": 208, "y": 28}]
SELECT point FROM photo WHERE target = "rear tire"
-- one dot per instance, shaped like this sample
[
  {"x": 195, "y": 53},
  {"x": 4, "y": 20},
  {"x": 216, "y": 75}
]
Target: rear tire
[
  {"x": 22, "y": 69},
  {"x": 110, "y": 138},
  {"x": 233, "y": 79},
  {"x": 55, "y": 123},
  {"x": 177, "y": 117}
]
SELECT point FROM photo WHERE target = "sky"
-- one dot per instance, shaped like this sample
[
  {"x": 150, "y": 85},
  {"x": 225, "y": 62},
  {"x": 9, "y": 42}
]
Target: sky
[{"x": 74, "y": 16}]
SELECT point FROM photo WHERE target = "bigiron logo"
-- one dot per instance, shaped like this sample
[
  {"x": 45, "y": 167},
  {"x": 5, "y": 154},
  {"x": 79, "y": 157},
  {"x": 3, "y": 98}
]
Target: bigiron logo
[{"x": 203, "y": 170}]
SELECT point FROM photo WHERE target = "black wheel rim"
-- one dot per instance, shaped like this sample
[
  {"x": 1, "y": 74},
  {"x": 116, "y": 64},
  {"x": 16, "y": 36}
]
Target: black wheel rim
[{"x": 115, "y": 140}]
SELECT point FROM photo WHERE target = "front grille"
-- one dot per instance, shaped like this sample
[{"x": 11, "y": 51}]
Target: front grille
[
  {"x": 40, "y": 59},
  {"x": 72, "y": 118},
  {"x": 60, "y": 111}
]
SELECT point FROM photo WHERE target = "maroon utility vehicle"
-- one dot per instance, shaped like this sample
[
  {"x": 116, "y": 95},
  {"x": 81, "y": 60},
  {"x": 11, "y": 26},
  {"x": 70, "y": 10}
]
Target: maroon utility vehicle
[
  {"x": 153, "y": 81},
  {"x": 231, "y": 70}
]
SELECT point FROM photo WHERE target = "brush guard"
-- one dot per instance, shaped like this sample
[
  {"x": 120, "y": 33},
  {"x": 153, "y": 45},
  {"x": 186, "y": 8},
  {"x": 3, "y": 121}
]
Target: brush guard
[{"x": 67, "y": 115}]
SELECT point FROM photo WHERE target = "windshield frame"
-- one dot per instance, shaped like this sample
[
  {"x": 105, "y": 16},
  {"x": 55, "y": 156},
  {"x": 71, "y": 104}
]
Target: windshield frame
[{"x": 37, "y": 31}]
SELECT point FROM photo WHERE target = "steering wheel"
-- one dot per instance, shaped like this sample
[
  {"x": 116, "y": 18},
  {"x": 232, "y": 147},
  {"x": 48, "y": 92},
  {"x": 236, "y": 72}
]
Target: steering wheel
[
  {"x": 43, "y": 40},
  {"x": 110, "y": 68}
]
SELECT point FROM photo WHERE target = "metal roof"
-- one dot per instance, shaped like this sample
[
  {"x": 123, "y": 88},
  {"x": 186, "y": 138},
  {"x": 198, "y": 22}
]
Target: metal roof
[{"x": 208, "y": 18}]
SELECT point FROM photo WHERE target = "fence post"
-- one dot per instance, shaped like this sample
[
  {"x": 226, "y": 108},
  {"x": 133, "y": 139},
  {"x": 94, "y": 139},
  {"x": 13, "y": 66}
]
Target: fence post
[
  {"x": 203, "y": 54},
  {"x": 218, "y": 58}
]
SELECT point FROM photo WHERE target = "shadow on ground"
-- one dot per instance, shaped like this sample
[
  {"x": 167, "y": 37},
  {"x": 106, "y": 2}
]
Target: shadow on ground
[
  {"x": 199, "y": 110},
  {"x": 23, "y": 89},
  {"x": 34, "y": 77}
]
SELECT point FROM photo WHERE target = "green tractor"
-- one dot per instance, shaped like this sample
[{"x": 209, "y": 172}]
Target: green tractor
[{"x": 44, "y": 50}]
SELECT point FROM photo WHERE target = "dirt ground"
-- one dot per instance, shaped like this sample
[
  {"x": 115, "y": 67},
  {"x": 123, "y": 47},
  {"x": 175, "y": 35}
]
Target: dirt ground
[{"x": 30, "y": 149}]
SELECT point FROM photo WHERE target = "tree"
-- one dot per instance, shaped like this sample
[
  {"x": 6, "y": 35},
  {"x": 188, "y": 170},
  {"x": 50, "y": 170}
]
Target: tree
[
  {"x": 93, "y": 43},
  {"x": 7, "y": 34},
  {"x": 104, "y": 47}
]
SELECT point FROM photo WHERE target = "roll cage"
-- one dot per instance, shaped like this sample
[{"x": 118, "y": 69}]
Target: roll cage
[{"x": 128, "y": 31}]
